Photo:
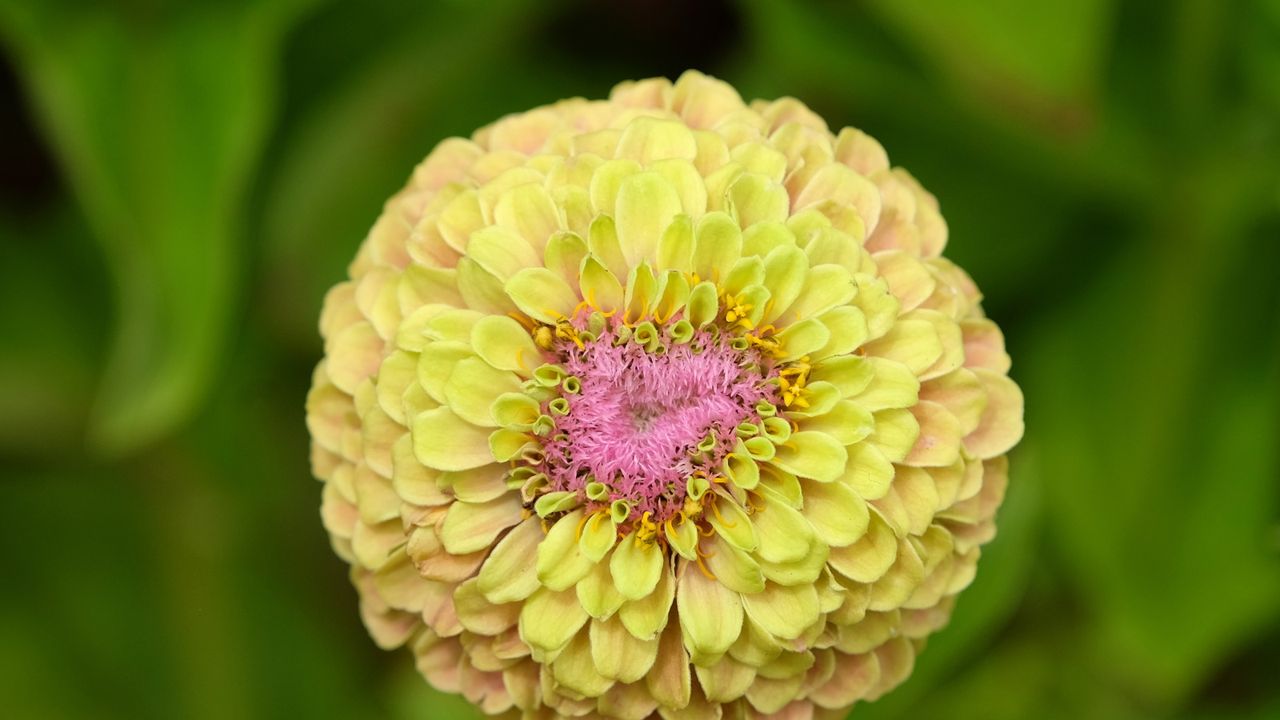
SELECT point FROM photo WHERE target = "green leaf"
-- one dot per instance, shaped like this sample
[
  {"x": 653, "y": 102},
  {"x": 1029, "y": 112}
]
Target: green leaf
[{"x": 157, "y": 122}]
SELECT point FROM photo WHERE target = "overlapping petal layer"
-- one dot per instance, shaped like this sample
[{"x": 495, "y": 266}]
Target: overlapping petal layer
[{"x": 660, "y": 405}]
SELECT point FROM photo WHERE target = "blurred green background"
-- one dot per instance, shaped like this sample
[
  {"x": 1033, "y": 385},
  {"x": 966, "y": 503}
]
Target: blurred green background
[{"x": 180, "y": 182}]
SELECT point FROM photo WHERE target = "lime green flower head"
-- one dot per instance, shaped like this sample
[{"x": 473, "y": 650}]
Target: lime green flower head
[{"x": 665, "y": 405}]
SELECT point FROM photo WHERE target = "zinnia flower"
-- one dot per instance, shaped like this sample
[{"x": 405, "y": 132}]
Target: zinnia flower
[{"x": 660, "y": 405}]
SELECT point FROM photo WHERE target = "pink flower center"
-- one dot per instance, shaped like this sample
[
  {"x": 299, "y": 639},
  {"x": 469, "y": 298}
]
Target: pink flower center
[{"x": 645, "y": 420}]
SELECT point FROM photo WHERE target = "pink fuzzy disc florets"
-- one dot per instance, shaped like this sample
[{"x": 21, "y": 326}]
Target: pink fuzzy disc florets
[{"x": 646, "y": 419}]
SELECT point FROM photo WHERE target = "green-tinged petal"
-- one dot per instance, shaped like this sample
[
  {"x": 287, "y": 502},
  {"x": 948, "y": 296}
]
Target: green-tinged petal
[
  {"x": 560, "y": 560},
  {"x": 619, "y": 655},
  {"x": 893, "y": 386},
  {"x": 675, "y": 247},
  {"x": 785, "y": 270},
  {"x": 396, "y": 373},
  {"x": 846, "y": 422},
  {"x": 703, "y": 305},
  {"x": 683, "y": 538},
  {"x": 636, "y": 567},
  {"x": 784, "y": 533},
  {"x": 647, "y": 140},
  {"x": 804, "y": 571},
  {"x": 914, "y": 343},
  {"x": 825, "y": 287},
  {"x": 411, "y": 335},
  {"x": 754, "y": 646},
  {"x": 642, "y": 291},
  {"x": 849, "y": 373},
  {"x": 717, "y": 246},
  {"x": 753, "y": 198},
  {"x": 900, "y": 581},
  {"x": 838, "y": 515},
  {"x": 762, "y": 239},
  {"x": 725, "y": 681},
  {"x": 781, "y": 486},
  {"x": 472, "y": 388},
  {"x": 746, "y": 272},
  {"x": 598, "y": 594},
  {"x": 822, "y": 398},
  {"x": 869, "y": 558},
  {"x": 814, "y": 455},
  {"x": 602, "y": 242},
  {"x": 435, "y": 365},
  {"x": 783, "y": 611},
  {"x": 598, "y": 536},
  {"x": 421, "y": 285},
  {"x": 529, "y": 211},
  {"x": 760, "y": 158},
  {"x": 732, "y": 523},
  {"x": 951, "y": 338},
  {"x": 501, "y": 252},
  {"x": 878, "y": 305},
  {"x": 477, "y": 485},
  {"x": 444, "y": 441},
  {"x": 802, "y": 338},
  {"x": 847, "y": 326},
  {"x": 741, "y": 470},
  {"x": 733, "y": 567},
  {"x": 896, "y": 433},
  {"x": 689, "y": 186},
  {"x": 599, "y": 287},
  {"x": 647, "y": 616},
  {"x": 414, "y": 482},
  {"x": 917, "y": 494},
  {"x": 469, "y": 527},
  {"x": 542, "y": 294},
  {"x": 516, "y": 411},
  {"x": 461, "y": 217},
  {"x": 710, "y": 614},
  {"x": 478, "y": 615},
  {"x": 574, "y": 669},
  {"x": 842, "y": 184},
  {"x": 509, "y": 574},
  {"x": 505, "y": 444},
  {"x": 564, "y": 255},
  {"x": 827, "y": 245},
  {"x": 646, "y": 205},
  {"x": 788, "y": 665},
  {"x": 868, "y": 471},
  {"x": 482, "y": 290},
  {"x": 672, "y": 295},
  {"x": 549, "y": 619}
]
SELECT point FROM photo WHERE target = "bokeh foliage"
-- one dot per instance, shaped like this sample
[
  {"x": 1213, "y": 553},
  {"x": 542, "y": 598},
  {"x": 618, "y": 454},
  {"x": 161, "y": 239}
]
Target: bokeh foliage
[{"x": 182, "y": 181}]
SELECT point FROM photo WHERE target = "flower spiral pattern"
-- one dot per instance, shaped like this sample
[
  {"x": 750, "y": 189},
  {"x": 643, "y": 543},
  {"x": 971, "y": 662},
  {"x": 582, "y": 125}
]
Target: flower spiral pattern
[{"x": 665, "y": 405}]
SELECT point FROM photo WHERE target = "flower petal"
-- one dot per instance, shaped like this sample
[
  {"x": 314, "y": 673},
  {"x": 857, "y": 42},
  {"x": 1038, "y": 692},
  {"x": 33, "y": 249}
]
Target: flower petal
[
  {"x": 636, "y": 567},
  {"x": 542, "y": 294},
  {"x": 550, "y": 619},
  {"x": 619, "y": 655},
  {"x": 710, "y": 614},
  {"x": 444, "y": 441},
  {"x": 510, "y": 574},
  {"x": 469, "y": 527},
  {"x": 1001, "y": 425},
  {"x": 783, "y": 611},
  {"x": 814, "y": 455}
]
